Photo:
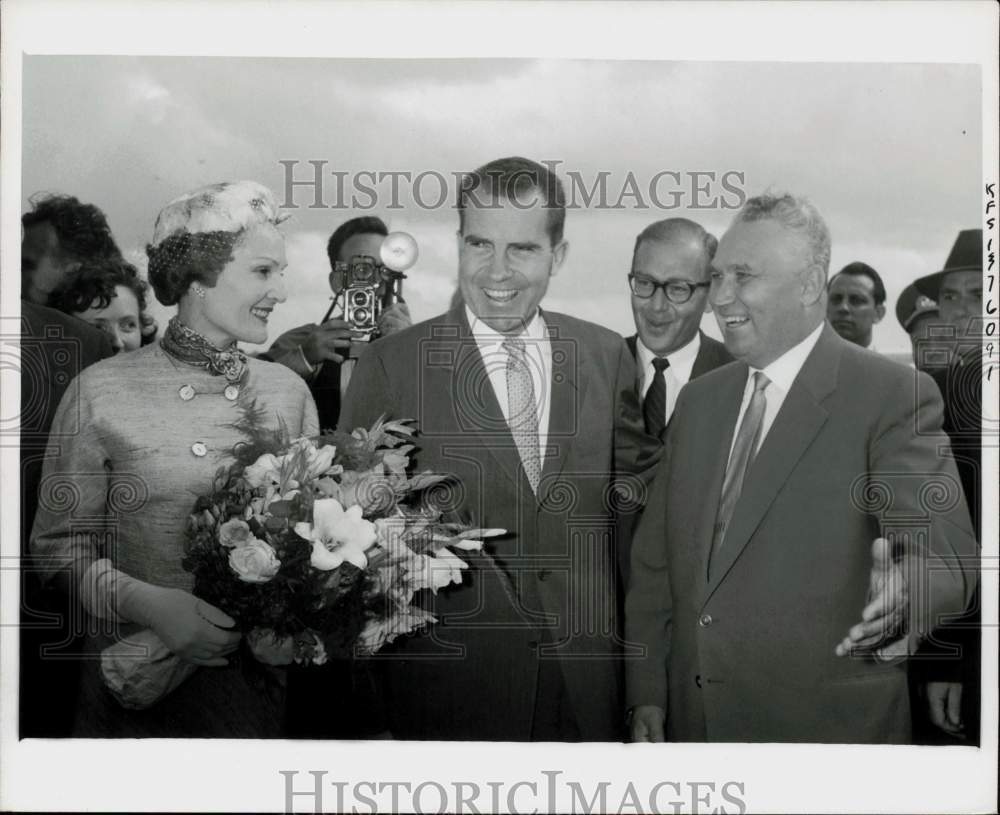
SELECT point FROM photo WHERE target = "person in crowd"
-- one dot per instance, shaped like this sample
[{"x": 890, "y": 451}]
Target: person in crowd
[
  {"x": 61, "y": 233},
  {"x": 669, "y": 284},
  {"x": 855, "y": 302},
  {"x": 951, "y": 682},
  {"x": 534, "y": 414},
  {"x": 143, "y": 432},
  {"x": 54, "y": 349},
  {"x": 931, "y": 341},
  {"x": 108, "y": 294},
  {"x": 316, "y": 352},
  {"x": 769, "y": 588}
]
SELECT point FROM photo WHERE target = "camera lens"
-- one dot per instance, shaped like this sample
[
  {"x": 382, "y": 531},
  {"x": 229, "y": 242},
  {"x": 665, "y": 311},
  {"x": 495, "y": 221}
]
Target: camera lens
[
  {"x": 363, "y": 271},
  {"x": 359, "y": 316}
]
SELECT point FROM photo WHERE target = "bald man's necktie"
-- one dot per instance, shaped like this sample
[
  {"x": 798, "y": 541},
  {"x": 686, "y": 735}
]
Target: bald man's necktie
[
  {"x": 740, "y": 460},
  {"x": 654, "y": 406},
  {"x": 522, "y": 410}
]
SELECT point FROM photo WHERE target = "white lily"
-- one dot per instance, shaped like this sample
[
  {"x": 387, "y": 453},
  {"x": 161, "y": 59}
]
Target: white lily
[{"x": 337, "y": 535}]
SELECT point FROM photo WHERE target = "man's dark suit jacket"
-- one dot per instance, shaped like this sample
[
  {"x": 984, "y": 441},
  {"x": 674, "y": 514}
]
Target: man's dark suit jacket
[
  {"x": 550, "y": 591},
  {"x": 957, "y": 655},
  {"x": 712, "y": 354},
  {"x": 54, "y": 349},
  {"x": 855, "y": 452}
]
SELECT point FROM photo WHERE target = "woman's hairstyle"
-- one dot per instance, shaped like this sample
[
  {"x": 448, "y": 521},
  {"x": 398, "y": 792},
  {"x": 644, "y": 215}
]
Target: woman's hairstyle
[
  {"x": 195, "y": 234},
  {"x": 93, "y": 285},
  {"x": 82, "y": 229}
]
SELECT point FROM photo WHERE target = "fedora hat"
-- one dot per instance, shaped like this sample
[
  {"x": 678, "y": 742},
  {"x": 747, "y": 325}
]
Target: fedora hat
[
  {"x": 965, "y": 256},
  {"x": 912, "y": 304}
]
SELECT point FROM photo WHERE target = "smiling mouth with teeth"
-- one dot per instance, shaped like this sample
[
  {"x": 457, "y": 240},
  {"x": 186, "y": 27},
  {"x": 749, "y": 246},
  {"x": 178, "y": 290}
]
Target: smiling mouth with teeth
[
  {"x": 501, "y": 295},
  {"x": 261, "y": 313},
  {"x": 734, "y": 321}
]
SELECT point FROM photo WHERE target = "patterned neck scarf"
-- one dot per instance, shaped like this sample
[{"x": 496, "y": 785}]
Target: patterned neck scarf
[{"x": 190, "y": 347}]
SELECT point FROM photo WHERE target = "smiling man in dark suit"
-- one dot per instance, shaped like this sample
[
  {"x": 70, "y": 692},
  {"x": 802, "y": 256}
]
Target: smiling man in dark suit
[
  {"x": 807, "y": 527},
  {"x": 669, "y": 285},
  {"x": 535, "y": 416}
]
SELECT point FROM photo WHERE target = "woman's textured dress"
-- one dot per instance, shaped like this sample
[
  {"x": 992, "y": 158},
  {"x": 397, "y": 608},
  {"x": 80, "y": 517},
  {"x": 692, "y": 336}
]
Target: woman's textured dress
[{"x": 135, "y": 440}]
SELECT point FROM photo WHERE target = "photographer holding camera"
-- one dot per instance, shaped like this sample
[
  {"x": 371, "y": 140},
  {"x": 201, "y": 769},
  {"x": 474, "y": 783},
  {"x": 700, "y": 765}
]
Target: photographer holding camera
[{"x": 316, "y": 352}]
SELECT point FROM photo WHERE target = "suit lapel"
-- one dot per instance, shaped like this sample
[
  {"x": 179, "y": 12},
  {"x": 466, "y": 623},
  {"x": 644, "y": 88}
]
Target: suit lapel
[
  {"x": 801, "y": 416},
  {"x": 568, "y": 385},
  {"x": 713, "y": 445}
]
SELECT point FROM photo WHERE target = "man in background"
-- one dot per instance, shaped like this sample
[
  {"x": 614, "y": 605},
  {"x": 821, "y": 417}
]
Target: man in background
[
  {"x": 317, "y": 351},
  {"x": 855, "y": 302},
  {"x": 669, "y": 284},
  {"x": 951, "y": 682},
  {"x": 931, "y": 341}
]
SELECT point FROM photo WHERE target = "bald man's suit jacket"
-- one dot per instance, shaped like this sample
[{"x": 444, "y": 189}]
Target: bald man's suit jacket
[
  {"x": 747, "y": 653},
  {"x": 550, "y": 591}
]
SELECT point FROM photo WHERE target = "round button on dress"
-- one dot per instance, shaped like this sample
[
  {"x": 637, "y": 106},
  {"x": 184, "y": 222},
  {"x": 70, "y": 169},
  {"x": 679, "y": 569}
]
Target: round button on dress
[{"x": 199, "y": 449}]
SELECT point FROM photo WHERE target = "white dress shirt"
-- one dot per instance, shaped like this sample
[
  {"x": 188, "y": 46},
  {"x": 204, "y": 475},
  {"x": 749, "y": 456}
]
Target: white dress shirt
[
  {"x": 781, "y": 373},
  {"x": 537, "y": 349},
  {"x": 676, "y": 376}
]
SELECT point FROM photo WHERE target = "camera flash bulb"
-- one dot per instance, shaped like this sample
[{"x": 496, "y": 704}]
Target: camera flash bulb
[{"x": 398, "y": 251}]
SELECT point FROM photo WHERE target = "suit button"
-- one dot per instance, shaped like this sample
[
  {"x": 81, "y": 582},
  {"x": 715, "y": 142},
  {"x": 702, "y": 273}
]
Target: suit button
[
  {"x": 705, "y": 620},
  {"x": 543, "y": 575},
  {"x": 697, "y": 680}
]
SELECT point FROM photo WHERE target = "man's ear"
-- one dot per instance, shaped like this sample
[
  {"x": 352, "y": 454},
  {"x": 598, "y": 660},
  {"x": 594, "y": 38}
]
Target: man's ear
[
  {"x": 335, "y": 281},
  {"x": 558, "y": 256},
  {"x": 879, "y": 312},
  {"x": 813, "y": 285}
]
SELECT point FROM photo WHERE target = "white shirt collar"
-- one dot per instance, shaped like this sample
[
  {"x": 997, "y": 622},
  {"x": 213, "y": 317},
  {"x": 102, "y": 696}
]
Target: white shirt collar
[
  {"x": 784, "y": 369},
  {"x": 487, "y": 336},
  {"x": 681, "y": 361}
]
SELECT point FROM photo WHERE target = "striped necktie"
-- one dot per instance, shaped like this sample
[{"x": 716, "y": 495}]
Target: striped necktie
[
  {"x": 522, "y": 413},
  {"x": 740, "y": 459},
  {"x": 654, "y": 406}
]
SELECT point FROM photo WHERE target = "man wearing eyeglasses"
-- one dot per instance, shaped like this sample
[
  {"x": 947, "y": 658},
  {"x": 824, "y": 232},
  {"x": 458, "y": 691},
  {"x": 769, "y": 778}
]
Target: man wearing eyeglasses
[{"x": 669, "y": 283}]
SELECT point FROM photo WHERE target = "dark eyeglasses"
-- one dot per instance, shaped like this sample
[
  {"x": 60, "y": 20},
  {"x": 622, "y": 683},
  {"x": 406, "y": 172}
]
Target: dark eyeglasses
[{"x": 676, "y": 291}]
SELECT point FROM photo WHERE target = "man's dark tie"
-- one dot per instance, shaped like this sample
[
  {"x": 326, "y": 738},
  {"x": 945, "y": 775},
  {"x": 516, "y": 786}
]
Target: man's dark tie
[
  {"x": 740, "y": 460},
  {"x": 654, "y": 407}
]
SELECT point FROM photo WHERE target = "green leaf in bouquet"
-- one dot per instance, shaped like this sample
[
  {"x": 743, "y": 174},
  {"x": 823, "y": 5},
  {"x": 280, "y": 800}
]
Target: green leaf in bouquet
[{"x": 422, "y": 481}]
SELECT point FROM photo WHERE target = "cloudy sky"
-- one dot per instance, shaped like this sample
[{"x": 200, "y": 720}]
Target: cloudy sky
[{"x": 890, "y": 153}]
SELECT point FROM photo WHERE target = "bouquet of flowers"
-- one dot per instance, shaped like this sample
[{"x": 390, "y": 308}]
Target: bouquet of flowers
[{"x": 314, "y": 548}]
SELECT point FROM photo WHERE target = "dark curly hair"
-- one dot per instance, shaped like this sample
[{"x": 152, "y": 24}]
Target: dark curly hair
[
  {"x": 368, "y": 225},
  {"x": 82, "y": 229},
  {"x": 93, "y": 285},
  {"x": 185, "y": 257}
]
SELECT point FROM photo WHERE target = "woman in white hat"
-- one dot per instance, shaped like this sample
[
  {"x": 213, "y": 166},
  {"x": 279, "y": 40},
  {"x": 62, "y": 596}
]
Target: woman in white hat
[{"x": 142, "y": 434}]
